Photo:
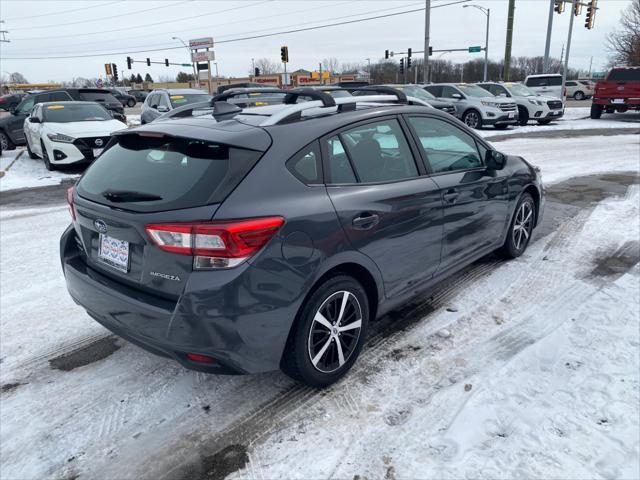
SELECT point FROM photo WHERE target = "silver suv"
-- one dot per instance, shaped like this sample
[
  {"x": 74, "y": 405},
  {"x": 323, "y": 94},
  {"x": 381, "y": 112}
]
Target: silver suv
[
  {"x": 162, "y": 100},
  {"x": 531, "y": 106},
  {"x": 475, "y": 106}
]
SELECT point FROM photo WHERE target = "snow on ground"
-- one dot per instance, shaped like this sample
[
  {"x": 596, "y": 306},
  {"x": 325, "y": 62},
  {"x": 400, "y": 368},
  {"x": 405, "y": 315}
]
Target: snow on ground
[
  {"x": 133, "y": 120},
  {"x": 532, "y": 371},
  {"x": 573, "y": 119},
  {"x": 25, "y": 172}
]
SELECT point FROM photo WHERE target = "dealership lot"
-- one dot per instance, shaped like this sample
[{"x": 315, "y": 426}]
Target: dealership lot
[{"x": 498, "y": 362}]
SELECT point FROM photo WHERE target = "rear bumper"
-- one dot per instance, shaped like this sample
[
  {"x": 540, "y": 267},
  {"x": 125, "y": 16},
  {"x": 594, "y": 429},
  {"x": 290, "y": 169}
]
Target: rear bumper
[
  {"x": 216, "y": 315},
  {"x": 609, "y": 102}
]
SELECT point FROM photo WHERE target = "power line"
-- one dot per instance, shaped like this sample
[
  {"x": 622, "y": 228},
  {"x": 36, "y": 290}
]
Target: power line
[
  {"x": 317, "y": 27},
  {"x": 257, "y": 31},
  {"x": 101, "y": 19},
  {"x": 61, "y": 12},
  {"x": 173, "y": 20}
]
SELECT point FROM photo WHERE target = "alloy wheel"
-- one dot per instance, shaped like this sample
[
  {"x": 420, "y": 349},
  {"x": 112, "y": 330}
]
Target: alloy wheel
[
  {"x": 523, "y": 225},
  {"x": 4, "y": 142},
  {"x": 335, "y": 331},
  {"x": 471, "y": 119}
]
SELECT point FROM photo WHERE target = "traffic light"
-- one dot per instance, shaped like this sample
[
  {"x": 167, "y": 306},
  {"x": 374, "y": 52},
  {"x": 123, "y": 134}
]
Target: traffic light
[
  {"x": 129, "y": 62},
  {"x": 148, "y": 62},
  {"x": 430, "y": 51},
  {"x": 114, "y": 69},
  {"x": 107, "y": 68},
  {"x": 284, "y": 54},
  {"x": 409, "y": 53},
  {"x": 256, "y": 72},
  {"x": 166, "y": 62},
  {"x": 591, "y": 14},
  {"x": 559, "y": 8},
  {"x": 577, "y": 8},
  {"x": 402, "y": 65},
  {"x": 409, "y": 62},
  {"x": 386, "y": 54}
]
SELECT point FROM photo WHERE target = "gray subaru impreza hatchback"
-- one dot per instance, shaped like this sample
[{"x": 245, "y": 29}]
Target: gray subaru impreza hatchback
[{"x": 251, "y": 240}]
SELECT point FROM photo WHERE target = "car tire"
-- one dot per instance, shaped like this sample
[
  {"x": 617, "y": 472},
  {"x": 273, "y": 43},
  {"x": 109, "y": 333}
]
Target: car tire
[
  {"x": 521, "y": 228},
  {"x": 578, "y": 95},
  {"x": 472, "y": 119},
  {"x": 596, "y": 111},
  {"x": 6, "y": 142},
  {"x": 523, "y": 116},
  {"x": 131, "y": 103},
  {"x": 312, "y": 353},
  {"x": 544, "y": 122},
  {"x": 45, "y": 157},
  {"x": 29, "y": 152}
]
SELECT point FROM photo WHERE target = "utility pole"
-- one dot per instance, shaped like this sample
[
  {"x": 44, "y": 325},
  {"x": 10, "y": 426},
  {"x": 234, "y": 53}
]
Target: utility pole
[
  {"x": 427, "y": 21},
  {"x": 547, "y": 46},
  {"x": 3, "y": 33},
  {"x": 590, "y": 65},
  {"x": 507, "y": 48},
  {"x": 566, "y": 57},
  {"x": 486, "y": 49},
  {"x": 562, "y": 54}
]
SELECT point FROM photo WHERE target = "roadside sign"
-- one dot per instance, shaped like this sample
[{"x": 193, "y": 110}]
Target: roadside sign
[
  {"x": 107, "y": 68},
  {"x": 475, "y": 49},
  {"x": 185, "y": 64},
  {"x": 206, "y": 56},
  {"x": 325, "y": 74},
  {"x": 598, "y": 74},
  {"x": 197, "y": 43},
  {"x": 202, "y": 66},
  {"x": 99, "y": 83},
  {"x": 315, "y": 75}
]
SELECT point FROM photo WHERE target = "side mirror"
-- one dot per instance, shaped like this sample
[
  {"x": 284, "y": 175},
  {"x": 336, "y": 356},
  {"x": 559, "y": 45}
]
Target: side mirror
[
  {"x": 457, "y": 96},
  {"x": 495, "y": 160},
  {"x": 162, "y": 108},
  {"x": 12, "y": 110},
  {"x": 34, "y": 120}
]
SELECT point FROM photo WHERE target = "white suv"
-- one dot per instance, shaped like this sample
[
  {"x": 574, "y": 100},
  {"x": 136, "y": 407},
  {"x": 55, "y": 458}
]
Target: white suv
[
  {"x": 530, "y": 105},
  {"x": 549, "y": 84},
  {"x": 475, "y": 106}
]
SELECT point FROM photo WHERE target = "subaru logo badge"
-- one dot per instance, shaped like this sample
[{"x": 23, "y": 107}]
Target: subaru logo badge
[
  {"x": 100, "y": 226},
  {"x": 98, "y": 142}
]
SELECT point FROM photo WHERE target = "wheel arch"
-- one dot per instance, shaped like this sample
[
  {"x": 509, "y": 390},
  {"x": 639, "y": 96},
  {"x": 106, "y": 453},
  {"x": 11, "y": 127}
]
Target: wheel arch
[{"x": 535, "y": 194}]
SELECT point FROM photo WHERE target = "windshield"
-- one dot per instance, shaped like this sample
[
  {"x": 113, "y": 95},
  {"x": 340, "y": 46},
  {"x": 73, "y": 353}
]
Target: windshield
[
  {"x": 78, "y": 112},
  {"x": 474, "y": 91},
  {"x": 519, "y": 90},
  {"x": 416, "y": 92},
  {"x": 187, "y": 98}
]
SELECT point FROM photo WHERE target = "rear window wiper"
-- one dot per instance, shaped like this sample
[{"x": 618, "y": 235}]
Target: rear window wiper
[{"x": 116, "y": 196}]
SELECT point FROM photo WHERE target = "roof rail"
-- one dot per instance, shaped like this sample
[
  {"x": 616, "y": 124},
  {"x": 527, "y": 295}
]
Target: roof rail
[
  {"x": 326, "y": 99},
  {"x": 383, "y": 89},
  {"x": 292, "y": 112}
]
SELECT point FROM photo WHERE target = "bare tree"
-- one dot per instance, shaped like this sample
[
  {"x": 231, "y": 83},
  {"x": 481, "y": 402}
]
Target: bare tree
[
  {"x": 330, "y": 64},
  {"x": 17, "y": 77},
  {"x": 266, "y": 66},
  {"x": 624, "y": 42}
]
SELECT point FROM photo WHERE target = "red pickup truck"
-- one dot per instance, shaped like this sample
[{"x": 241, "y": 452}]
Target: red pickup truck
[{"x": 618, "y": 92}]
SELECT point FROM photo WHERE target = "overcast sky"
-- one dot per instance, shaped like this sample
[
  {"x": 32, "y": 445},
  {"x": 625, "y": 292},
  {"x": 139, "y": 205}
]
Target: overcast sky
[{"x": 55, "y": 28}]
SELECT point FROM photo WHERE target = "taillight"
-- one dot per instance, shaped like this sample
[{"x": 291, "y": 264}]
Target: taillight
[
  {"x": 222, "y": 244},
  {"x": 72, "y": 209}
]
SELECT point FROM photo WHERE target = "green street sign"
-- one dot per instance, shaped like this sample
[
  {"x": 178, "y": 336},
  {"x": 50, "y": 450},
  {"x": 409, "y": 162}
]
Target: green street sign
[
  {"x": 475, "y": 49},
  {"x": 186, "y": 64}
]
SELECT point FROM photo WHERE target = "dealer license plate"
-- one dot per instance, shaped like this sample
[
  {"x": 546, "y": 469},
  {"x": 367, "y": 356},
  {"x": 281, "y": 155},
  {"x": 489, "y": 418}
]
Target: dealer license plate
[
  {"x": 114, "y": 252},
  {"x": 556, "y": 112},
  {"x": 617, "y": 100},
  {"x": 512, "y": 115}
]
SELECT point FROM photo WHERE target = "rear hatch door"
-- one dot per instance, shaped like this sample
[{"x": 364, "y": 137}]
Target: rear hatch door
[
  {"x": 620, "y": 83},
  {"x": 153, "y": 178}
]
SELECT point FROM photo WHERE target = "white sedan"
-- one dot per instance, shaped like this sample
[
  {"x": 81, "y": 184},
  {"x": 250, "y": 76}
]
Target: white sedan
[{"x": 64, "y": 133}]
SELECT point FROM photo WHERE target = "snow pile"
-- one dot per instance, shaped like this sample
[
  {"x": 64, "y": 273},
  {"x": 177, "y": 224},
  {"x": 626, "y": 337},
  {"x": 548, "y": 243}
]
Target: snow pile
[{"x": 25, "y": 172}]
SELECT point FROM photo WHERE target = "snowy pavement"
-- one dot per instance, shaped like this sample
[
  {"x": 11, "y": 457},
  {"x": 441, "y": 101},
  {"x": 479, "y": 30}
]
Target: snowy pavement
[{"x": 528, "y": 368}]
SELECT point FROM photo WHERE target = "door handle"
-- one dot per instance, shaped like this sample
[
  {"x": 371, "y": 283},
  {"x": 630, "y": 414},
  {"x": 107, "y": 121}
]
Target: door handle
[
  {"x": 365, "y": 221},
  {"x": 450, "y": 196}
]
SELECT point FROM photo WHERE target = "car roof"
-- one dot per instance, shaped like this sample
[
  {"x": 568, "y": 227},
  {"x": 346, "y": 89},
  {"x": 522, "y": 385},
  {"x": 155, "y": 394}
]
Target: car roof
[
  {"x": 542, "y": 75},
  {"x": 180, "y": 91}
]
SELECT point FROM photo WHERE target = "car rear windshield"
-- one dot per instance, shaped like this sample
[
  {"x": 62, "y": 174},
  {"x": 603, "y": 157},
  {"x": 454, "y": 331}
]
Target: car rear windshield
[
  {"x": 75, "y": 112},
  {"x": 624, "y": 75},
  {"x": 152, "y": 174},
  {"x": 180, "y": 100},
  {"x": 97, "y": 96}
]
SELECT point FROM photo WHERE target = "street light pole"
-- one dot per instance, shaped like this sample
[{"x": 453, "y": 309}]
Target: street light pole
[
  {"x": 427, "y": 21},
  {"x": 195, "y": 73},
  {"x": 487, "y": 12},
  {"x": 368, "y": 69},
  {"x": 566, "y": 58},
  {"x": 547, "y": 46}
]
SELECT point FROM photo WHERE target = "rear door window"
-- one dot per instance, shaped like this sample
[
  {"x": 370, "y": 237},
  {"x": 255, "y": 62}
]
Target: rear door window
[
  {"x": 448, "y": 92},
  {"x": 148, "y": 174},
  {"x": 379, "y": 152}
]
